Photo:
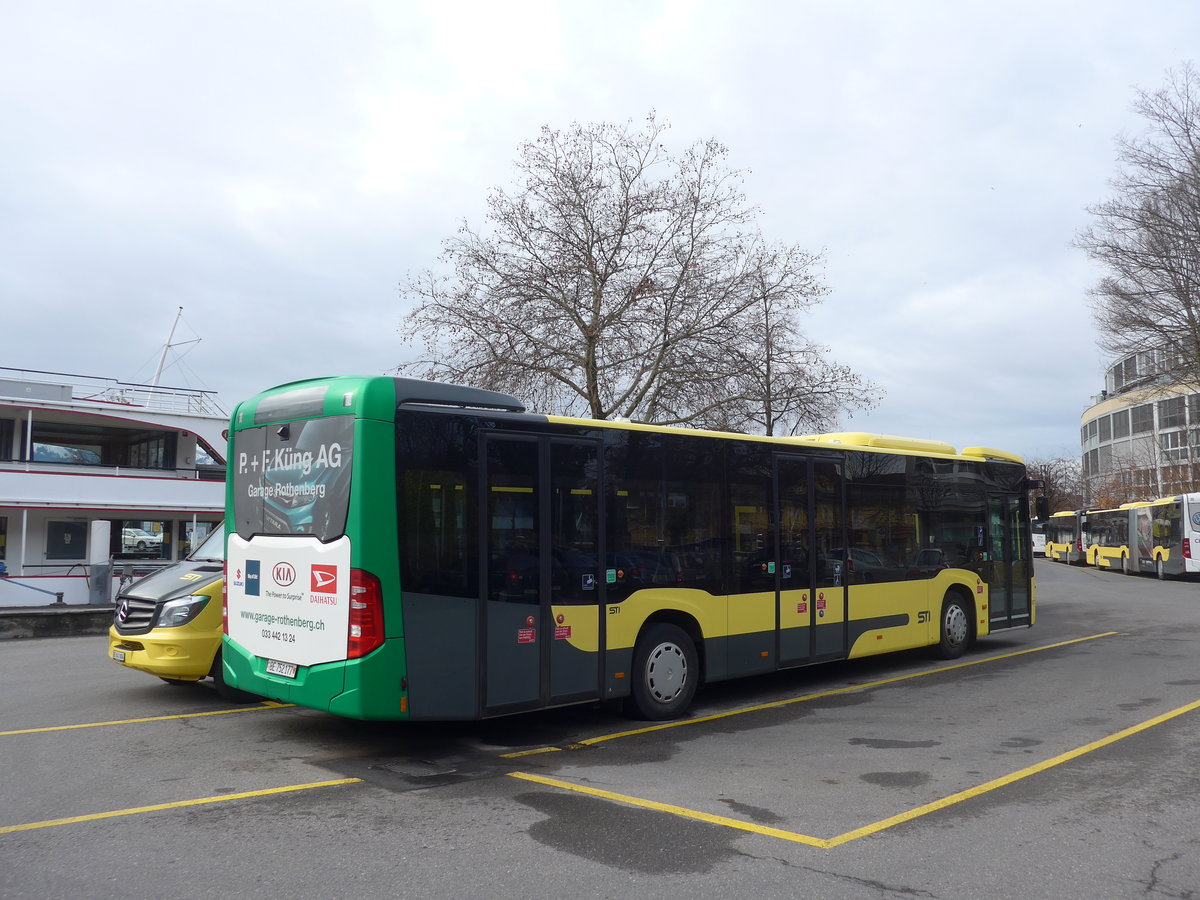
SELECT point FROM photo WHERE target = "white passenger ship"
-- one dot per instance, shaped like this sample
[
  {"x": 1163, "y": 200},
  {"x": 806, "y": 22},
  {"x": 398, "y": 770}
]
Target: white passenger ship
[{"x": 78, "y": 451}]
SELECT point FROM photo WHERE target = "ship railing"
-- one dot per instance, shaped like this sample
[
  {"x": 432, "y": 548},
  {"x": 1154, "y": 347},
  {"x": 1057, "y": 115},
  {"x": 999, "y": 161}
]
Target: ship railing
[{"x": 187, "y": 401}]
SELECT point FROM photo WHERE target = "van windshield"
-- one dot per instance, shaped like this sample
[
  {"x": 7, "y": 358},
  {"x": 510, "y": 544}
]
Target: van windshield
[{"x": 213, "y": 548}]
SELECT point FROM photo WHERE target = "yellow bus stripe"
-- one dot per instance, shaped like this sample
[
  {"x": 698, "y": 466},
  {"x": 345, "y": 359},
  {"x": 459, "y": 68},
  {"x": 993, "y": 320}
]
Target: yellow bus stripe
[
  {"x": 777, "y": 704},
  {"x": 267, "y": 704},
  {"x": 675, "y": 810},
  {"x": 178, "y": 804}
]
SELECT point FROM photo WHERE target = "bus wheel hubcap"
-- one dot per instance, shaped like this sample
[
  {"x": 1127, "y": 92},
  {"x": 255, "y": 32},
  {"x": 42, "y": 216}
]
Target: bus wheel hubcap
[
  {"x": 956, "y": 624},
  {"x": 666, "y": 672}
]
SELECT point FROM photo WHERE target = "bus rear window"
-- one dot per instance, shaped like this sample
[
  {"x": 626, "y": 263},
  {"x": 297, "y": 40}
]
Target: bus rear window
[{"x": 293, "y": 478}]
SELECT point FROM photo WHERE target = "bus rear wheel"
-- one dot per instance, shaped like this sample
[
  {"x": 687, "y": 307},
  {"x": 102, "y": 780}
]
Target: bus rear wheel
[
  {"x": 665, "y": 671},
  {"x": 956, "y": 628},
  {"x": 230, "y": 693},
  {"x": 1159, "y": 570}
]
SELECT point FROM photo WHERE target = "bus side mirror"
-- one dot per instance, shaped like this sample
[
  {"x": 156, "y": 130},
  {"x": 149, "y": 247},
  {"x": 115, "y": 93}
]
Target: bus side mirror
[{"x": 1041, "y": 506}]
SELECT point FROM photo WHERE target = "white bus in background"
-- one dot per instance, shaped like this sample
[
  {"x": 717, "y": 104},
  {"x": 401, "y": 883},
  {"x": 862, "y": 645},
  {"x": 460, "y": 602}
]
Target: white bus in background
[{"x": 1038, "y": 531}]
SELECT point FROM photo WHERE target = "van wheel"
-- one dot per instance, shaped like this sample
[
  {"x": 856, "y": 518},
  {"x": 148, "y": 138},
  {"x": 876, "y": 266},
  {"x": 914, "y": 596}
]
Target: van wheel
[
  {"x": 230, "y": 693},
  {"x": 665, "y": 671},
  {"x": 956, "y": 628}
]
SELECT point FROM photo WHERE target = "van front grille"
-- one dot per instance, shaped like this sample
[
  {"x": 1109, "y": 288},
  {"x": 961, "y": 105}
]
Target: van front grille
[{"x": 134, "y": 616}]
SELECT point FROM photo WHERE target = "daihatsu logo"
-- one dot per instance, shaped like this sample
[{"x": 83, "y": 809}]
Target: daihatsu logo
[{"x": 283, "y": 574}]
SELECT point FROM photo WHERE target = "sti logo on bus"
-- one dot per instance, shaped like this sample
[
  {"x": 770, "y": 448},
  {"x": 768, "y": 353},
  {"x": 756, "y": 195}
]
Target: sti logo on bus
[
  {"x": 324, "y": 579},
  {"x": 252, "y": 569}
]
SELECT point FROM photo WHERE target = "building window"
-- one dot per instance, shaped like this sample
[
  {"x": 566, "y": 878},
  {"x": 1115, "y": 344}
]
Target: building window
[
  {"x": 1143, "y": 418},
  {"x": 1172, "y": 413},
  {"x": 1105, "y": 429},
  {"x": 1174, "y": 445},
  {"x": 1193, "y": 406},
  {"x": 1120, "y": 424}
]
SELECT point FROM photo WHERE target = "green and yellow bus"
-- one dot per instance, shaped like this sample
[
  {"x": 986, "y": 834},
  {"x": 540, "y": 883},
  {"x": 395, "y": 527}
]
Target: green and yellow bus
[{"x": 401, "y": 549}]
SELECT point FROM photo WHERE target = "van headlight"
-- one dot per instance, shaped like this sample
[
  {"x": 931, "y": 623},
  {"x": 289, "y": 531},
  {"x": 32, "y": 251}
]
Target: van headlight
[{"x": 180, "y": 611}]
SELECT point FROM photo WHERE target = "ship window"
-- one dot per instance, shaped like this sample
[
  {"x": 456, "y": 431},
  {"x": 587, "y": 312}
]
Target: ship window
[
  {"x": 140, "y": 539},
  {"x": 94, "y": 445},
  {"x": 66, "y": 540}
]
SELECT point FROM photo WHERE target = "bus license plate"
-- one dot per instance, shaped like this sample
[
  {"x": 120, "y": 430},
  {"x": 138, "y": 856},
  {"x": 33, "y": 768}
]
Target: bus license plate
[
  {"x": 286, "y": 669},
  {"x": 119, "y": 655}
]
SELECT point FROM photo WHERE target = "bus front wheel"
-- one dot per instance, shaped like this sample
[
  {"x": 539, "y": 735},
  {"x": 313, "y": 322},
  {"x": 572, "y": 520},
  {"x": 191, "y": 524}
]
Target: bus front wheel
[
  {"x": 1158, "y": 569},
  {"x": 956, "y": 628},
  {"x": 665, "y": 671}
]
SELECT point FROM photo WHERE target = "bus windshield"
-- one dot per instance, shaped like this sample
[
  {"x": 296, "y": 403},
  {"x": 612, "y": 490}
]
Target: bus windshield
[{"x": 293, "y": 478}]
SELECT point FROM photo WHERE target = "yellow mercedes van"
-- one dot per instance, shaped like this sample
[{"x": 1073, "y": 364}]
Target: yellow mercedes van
[{"x": 169, "y": 623}]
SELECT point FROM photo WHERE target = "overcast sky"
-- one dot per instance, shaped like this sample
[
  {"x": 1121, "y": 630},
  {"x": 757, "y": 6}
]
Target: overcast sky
[{"x": 276, "y": 168}]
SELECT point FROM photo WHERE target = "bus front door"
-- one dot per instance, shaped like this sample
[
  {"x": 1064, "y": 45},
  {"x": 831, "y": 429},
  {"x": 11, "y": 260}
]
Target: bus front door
[
  {"x": 541, "y": 542},
  {"x": 810, "y": 536},
  {"x": 1008, "y": 566}
]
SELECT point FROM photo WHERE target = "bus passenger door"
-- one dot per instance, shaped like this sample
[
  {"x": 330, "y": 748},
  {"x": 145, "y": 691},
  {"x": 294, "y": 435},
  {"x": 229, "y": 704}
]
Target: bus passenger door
[
  {"x": 576, "y": 571},
  {"x": 541, "y": 542},
  {"x": 513, "y": 632},
  {"x": 1008, "y": 565},
  {"x": 810, "y": 538}
]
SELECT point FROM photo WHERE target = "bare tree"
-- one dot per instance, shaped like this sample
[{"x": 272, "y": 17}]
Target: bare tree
[
  {"x": 1062, "y": 478},
  {"x": 621, "y": 280},
  {"x": 1147, "y": 236}
]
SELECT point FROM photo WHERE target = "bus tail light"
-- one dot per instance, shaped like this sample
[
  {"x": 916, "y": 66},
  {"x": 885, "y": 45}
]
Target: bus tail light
[
  {"x": 1078, "y": 545},
  {"x": 366, "y": 615},
  {"x": 225, "y": 597},
  {"x": 1187, "y": 548}
]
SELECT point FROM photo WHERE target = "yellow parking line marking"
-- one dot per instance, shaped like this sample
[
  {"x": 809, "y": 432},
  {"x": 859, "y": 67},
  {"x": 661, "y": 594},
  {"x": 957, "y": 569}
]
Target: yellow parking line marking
[
  {"x": 675, "y": 810},
  {"x": 178, "y": 804},
  {"x": 266, "y": 704},
  {"x": 521, "y": 753},
  {"x": 848, "y": 689},
  {"x": 1020, "y": 774},
  {"x": 882, "y": 824}
]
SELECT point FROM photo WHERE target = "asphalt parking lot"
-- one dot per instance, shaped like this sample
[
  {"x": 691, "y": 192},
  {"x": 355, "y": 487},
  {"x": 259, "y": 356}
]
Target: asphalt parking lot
[{"x": 1058, "y": 761}]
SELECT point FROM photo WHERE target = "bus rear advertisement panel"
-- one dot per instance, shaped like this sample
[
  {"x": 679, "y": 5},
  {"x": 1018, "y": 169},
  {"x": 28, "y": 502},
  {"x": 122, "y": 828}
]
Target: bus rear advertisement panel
[{"x": 404, "y": 549}]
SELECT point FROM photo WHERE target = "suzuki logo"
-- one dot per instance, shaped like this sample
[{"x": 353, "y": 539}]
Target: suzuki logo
[{"x": 283, "y": 574}]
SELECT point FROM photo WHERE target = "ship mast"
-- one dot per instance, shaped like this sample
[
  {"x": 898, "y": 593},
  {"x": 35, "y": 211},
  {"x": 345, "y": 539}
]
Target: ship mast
[{"x": 162, "y": 359}]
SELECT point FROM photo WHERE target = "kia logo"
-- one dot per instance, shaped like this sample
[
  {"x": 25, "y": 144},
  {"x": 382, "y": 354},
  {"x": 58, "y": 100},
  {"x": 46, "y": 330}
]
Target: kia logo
[{"x": 283, "y": 574}]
